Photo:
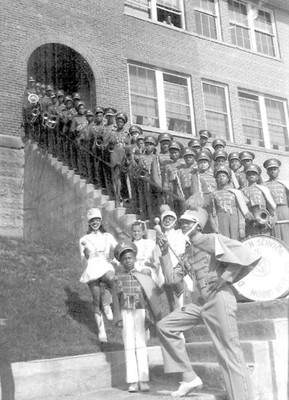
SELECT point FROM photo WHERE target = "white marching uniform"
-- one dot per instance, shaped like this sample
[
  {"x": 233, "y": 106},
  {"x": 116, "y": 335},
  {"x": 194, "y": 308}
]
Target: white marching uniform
[{"x": 100, "y": 247}]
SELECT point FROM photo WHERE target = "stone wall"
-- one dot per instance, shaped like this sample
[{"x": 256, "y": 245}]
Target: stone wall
[{"x": 11, "y": 186}]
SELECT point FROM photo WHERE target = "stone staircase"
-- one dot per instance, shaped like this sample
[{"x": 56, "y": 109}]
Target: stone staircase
[
  {"x": 263, "y": 329},
  {"x": 56, "y": 200},
  {"x": 55, "y": 205}
]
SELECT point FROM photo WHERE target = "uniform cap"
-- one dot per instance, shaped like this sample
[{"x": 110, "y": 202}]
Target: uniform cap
[
  {"x": 272, "y": 163},
  {"x": 168, "y": 213},
  {"x": 52, "y": 95},
  {"x": 246, "y": 155},
  {"x": 124, "y": 247},
  {"x": 76, "y": 96},
  {"x": 220, "y": 153},
  {"x": 200, "y": 216},
  {"x": 195, "y": 142},
  {"x": 110, "y": 111},
  {"x": 205, "y": 133},
  {"x": 99, "y": 110},
  {"x": 204, "y": 155},
  {"x": 93, "y": 213},
  {"x": 121, "y": 115},
  {"x": 60, "y": 93},
  {"x": 189, "y": 152},
  {"x": 49, "y": 88},
  {"x": 151, "y": 139},
  {"x": 165, "y": 136},
  {"x": 176, "y": 146},
  {"x": 31, "y": 79},
  {"x": 80, "y": 104},
  {"x": 135, "y": 128},
  {"x": 140, "y": 137},
  {"x": 222, "y": 168},
  {"x": 217, "y": 142},
  {"x": 89, "y": 113},
  {"x": 67, "y": 98},
  {"x": 233, "y": 156},
  {"x": 38, "y": 84},
  {"x": 253, "y": 168},
  {"x": 43, "y": 86}
]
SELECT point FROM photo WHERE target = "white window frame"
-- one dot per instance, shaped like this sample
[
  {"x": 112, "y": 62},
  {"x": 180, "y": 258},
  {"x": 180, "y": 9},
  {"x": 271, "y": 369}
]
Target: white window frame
[
  {"x": 152, "y": 9},
  {"x": 227, "y": 99},
  {"x": 216, "y": 16},
  {"x": 251, "y": 11},
  {"x": 162, "y": 103},
  {"x": 264, "y": 119}
]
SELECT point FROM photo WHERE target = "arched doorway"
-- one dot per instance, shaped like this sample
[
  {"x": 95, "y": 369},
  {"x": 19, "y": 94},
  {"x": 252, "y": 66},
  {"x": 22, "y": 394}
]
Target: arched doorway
[{"x": 65, "y": 69}]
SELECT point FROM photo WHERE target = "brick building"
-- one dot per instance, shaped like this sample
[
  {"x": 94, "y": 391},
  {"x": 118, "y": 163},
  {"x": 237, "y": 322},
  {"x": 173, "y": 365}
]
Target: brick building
[{"x": 178, "y": 65}]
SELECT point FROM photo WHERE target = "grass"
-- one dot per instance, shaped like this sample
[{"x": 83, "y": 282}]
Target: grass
[{"x": 49, "y": 310}]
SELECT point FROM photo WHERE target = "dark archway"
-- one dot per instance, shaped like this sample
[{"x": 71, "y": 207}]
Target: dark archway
[{"x": 65, "y": 69}]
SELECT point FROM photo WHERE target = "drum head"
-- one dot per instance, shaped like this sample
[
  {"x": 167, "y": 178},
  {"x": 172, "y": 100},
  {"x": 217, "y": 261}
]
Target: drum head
[{"x": 269, "y": 280}]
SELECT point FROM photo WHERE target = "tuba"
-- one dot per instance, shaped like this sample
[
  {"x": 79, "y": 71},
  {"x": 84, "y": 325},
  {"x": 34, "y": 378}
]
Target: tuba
[
  {"x": 262, "y": 219},
  {"x": 33, "y": 98}
]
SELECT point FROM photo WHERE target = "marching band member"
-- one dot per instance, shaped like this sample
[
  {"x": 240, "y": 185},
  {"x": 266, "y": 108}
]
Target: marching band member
[
  {"x": 96, "y": 251},
  {"x": 260, "y": 203},
  {"x": 279, "y": 190},
  {"x": 132, "y": 304},
  {"x": 215, "y": 262}
]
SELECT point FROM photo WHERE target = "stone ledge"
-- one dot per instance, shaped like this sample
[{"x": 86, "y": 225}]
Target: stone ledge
[{"x": 11, "y": 142}]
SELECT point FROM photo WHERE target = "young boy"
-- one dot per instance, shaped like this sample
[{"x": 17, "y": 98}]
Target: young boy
[{"x": 132, "y": 304}]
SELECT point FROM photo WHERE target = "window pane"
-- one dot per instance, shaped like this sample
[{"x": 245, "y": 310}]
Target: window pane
[
  {"x": 251, "y": 119},
  {"x": 265, "y": 44},
  {"x": 206, "y": 25},
  {"x": 138, "y": 8},
  {"x": 240, "y": 36},
  {"x": 216, "y": 110},
  {"x": 217, "y": 124},
  {"x": 206, "y": 5},
  {"x": 177, "y": 106},
  {"x": 238, "y": 12},
  {"x": 143, "y": 96},
  {"x": 173, "y": 4},
  {"x": 277, "y": 124},
  {"x": 263, "y": 21}
]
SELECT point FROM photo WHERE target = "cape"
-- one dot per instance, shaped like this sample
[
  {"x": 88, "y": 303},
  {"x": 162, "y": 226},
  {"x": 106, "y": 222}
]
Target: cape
[{"x": 233, "y": 255}]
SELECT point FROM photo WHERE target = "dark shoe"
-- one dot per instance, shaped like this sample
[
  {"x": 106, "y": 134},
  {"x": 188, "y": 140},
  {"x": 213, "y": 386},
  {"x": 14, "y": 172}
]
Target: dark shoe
[{"x": 144, "y": 386}]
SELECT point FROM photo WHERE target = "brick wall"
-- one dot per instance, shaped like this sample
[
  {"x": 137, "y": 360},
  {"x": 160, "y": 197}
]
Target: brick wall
[{"x": 108, "y": 38}]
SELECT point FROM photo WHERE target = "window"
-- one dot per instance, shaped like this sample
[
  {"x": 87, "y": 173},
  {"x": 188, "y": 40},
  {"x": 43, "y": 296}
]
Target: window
[
  {"x": 218, "y": 120},
  {"x": 264, "y": 121},
  {"x": 207, "y": 18},
  {"x": 160, "y": 100},
  {"x": 170, "y": 12},
  {"x": 252, "y": 28}
]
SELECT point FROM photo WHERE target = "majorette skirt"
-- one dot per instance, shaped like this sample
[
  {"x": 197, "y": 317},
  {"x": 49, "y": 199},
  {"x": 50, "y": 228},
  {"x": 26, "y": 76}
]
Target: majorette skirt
[{"x": 95, "y": 269}]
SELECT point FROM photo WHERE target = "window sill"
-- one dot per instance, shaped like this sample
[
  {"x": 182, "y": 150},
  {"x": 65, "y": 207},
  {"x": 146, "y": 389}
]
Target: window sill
[{"x": 220, "y": 42}]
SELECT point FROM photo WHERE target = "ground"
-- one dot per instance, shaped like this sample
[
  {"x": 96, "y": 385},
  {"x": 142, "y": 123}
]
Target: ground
[{"x": 49, "y": 310}]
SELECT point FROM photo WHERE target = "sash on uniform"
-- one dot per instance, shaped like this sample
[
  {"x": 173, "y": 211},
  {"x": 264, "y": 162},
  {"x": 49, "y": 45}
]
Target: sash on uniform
[{"x": 267, "y": 194}]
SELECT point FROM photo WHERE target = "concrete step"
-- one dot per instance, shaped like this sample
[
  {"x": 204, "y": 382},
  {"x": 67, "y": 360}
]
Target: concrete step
[
  {"x": 205, "y": 352},
  {"x": 255, "y": 330},
  {"x": 262, "y": 310},
  {"x": 209, "y": 373},
  {"x": 119, "y": 212}
]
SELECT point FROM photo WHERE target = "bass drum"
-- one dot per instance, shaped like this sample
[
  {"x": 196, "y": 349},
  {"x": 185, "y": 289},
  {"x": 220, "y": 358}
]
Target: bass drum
[{"x": 269, "y": 280}]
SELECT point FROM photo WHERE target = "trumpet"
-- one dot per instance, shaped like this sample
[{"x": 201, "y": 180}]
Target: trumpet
[
  {"x": 110, "y": 148},
  {"x": 33, "y": 98},
  {"x": 99, "y": 142},
  {"x": 51, "y": 123},
  {"x": 143, "y": 173},
  {"x": 34, "y": 114},
  {"x": 262, "y": 219},
  {"x": 45, "y": 116}
]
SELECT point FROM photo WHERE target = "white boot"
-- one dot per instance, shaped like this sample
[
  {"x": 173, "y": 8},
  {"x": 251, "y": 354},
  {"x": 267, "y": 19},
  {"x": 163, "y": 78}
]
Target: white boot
[{"x": 101, "y": 328}]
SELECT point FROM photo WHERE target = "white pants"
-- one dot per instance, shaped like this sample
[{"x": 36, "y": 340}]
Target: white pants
[{"x": 134, "y": 338}]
